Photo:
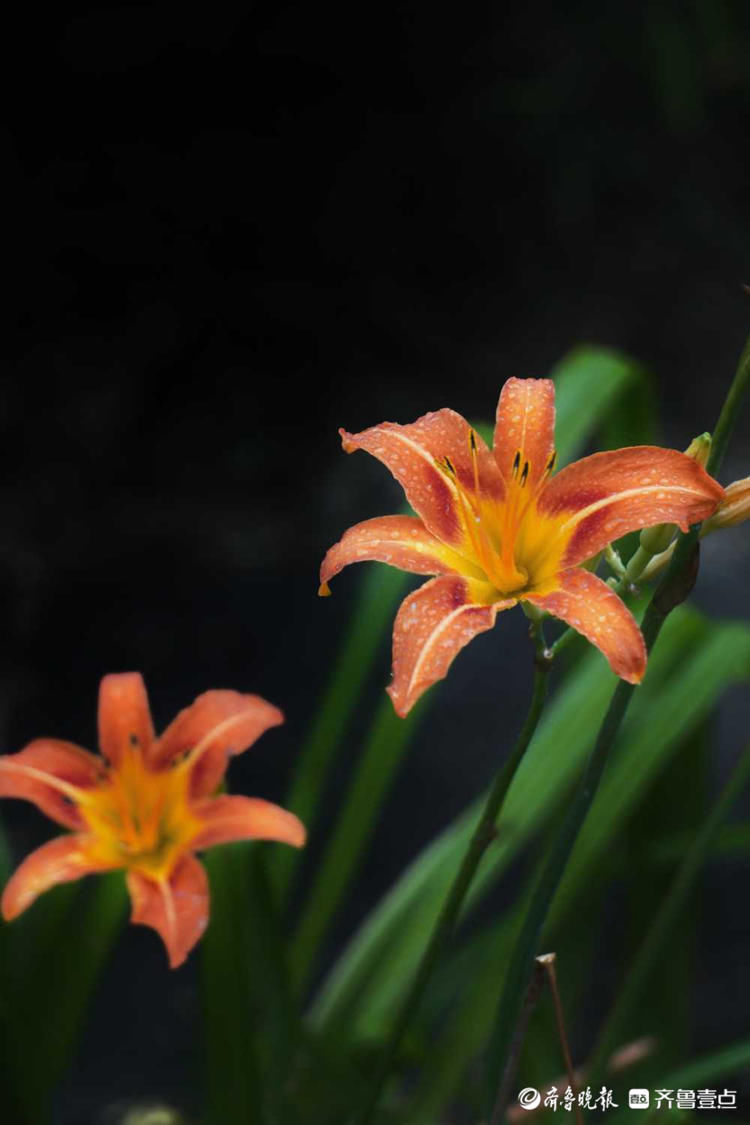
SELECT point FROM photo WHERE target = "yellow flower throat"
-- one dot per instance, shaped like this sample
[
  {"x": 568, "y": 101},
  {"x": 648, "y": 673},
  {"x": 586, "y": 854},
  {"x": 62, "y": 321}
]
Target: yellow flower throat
[
  {"x": 139, "y": 818},
  {"x": 507, "y": 539}
]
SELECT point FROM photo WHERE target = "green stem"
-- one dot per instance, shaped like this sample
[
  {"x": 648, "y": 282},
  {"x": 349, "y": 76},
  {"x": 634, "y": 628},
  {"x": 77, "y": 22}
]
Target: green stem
[
  {"x": 663, "y": 923},
  {"x": 673, "y": 589},
  {"x": 729, "y": 412},
  {"x": 483, "y": 835}
]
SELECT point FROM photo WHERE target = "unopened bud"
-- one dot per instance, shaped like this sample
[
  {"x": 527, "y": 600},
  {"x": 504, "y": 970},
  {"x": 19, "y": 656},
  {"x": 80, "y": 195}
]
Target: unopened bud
[
  {"x": 699, "y": 449},
  {"x": 656, "y": 539},
  {"x": 733, "y": 509}
]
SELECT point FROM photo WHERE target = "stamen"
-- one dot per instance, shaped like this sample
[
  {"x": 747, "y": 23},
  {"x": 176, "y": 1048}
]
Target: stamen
[
  {"x": 200, "y": 748},
  {"x": 524, "y": 473},
  {"x": 551, "y": 463},
  {"x": 516, "y": 462}
]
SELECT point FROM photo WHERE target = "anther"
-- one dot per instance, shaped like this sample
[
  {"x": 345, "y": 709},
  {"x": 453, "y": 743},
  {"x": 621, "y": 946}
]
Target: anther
[
  {"x": 473, "y": 441},
  {"x": 551, "y": 462},
  {"x": 524, "y": 473},
  {"x": 449, "y": 466},
  {"x": 516, "y": 462}
]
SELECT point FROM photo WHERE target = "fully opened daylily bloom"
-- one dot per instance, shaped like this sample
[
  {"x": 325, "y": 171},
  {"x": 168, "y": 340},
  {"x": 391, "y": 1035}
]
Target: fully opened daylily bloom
[
  {"x": 146, "y": 805},
  {"x": 497, "y": 527}
]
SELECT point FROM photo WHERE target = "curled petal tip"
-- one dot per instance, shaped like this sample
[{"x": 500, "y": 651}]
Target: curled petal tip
[
  {"x": 346, "y": 441},
  {"x": 7, "y": 910},
  {"x": 324, "y": 590},
  {"x": 298, "y": 835},
  {"x": 402, "y": 709}
]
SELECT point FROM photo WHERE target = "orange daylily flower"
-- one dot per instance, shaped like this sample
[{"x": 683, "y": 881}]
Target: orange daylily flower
[
  {"x": 497, "y": 527},
  {"x": 146, "y": 805}
]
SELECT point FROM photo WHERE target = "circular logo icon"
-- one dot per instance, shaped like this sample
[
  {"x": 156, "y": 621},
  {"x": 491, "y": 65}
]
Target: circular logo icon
[{"x": 529, "y": 1098}]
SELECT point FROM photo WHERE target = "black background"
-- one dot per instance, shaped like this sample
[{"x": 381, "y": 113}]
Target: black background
[{"x": 243, "y": 226}]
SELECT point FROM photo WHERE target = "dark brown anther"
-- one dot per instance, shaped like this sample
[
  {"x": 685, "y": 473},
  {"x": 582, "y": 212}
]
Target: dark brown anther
[
  {"x": 473, "y": 441},
  {"x": 134, "y": 740},
  {"x": 551, "y": 462},
  {"x": 516, "y": 463},
  {"x": 524, "y": 473},
  {"x": 449, "y": 466}
]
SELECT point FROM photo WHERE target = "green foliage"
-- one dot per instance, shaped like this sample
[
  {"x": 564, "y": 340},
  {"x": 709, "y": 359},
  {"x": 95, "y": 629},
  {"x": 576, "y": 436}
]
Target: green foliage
[
  {"x": 51, "y": 960},
  {"x": 272, "y": 1061}
]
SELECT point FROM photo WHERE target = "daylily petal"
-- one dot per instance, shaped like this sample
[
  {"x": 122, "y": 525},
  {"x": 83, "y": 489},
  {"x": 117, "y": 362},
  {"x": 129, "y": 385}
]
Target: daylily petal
[
  {"x": 609, "y": 494},
  {"x": 124, "y": 715},
  {"x": 525, "y": 424},
  {"x": 60, "y": 861},
  {"x": 593, "y": 609},
  {"x": 401, "y": 541},
  {"x": 43, "y": 770},
  {"x": 177, "y": 908},
  {"x": 216, "y": 725},
  {"x": 245, "y": 818},
  {"x": 410, "y": 452},
  {"x": 432, "y": 626}
]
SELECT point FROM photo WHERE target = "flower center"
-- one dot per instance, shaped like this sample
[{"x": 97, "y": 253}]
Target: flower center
[
  {"x": 496, "y": 531},
  {"x": 138, "y": 818}
]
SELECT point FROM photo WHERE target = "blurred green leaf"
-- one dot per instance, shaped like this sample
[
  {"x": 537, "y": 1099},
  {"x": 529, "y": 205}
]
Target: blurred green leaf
[
  {"x": 381, "y": 757},
  {"x": 663, "y": 922},
  {"x": 232, "y": 1012},
  {"x": 722, "y": 657},
  {"x": 52, "y": 958},
  {"x": 639, "y": 749},
  {"x": 381, "y": 590},
  {"x": 365, "y": 983},
  {"x": 596, "y": 389}
]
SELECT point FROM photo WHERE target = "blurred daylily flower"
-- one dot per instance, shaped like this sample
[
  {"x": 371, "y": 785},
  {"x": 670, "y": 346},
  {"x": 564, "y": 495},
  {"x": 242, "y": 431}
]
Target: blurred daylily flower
[
  {"x": 497, "y": 527},
  {"x": 146, "y": 806}
]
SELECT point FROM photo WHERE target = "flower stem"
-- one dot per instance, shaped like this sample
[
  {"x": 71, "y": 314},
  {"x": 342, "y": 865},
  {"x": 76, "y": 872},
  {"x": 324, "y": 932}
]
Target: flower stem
[
  {"x": 673, "y": 588},
  {"x": 548, "y": 960},
  {"x": 730, "y": 411},
  {"x": 481, "y": 839}
]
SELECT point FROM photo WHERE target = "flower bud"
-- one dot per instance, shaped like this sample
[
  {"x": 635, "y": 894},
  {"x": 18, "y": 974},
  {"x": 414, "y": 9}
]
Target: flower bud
[{"x": 733, "y": 509}]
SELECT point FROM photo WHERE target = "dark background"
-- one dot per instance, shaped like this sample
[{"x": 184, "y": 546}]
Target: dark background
[{"x": 243, "y": 226}]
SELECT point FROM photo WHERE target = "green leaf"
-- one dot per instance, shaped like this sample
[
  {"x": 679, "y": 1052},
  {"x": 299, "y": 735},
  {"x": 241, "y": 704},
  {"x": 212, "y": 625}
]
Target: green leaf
[
  {"x": 663, "y": 922},
  {"x": 380, "y": 759},
  {"x": 644, "y": 748},
  {"x": 593, "y": 387},
  {"x": 231, "y": 1012},
  {"x": 53, "y": 956},
  {"x": 251, "y": 1023},
  {"x": 722, "y": 658},
  {"x": 381, "y": 590},
  {"x": 361, "y": 987}
]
